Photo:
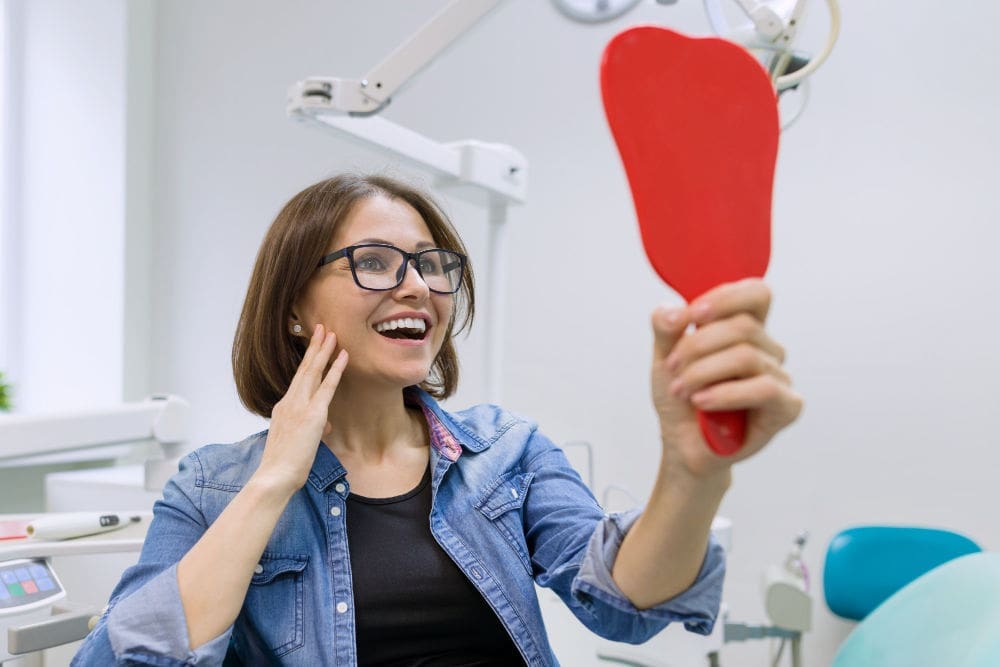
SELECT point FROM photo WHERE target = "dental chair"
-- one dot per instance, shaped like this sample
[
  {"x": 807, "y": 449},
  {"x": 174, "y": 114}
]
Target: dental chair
[{"x": 923, "y": 598}]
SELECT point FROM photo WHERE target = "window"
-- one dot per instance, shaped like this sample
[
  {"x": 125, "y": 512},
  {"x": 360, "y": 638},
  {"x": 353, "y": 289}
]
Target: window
[
  {"x": 6, "y": 259},
  {"x": 62, "y": 216}
]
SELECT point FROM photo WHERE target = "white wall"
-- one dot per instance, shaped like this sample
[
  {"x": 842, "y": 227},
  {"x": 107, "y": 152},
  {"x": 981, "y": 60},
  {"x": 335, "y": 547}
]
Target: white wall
[{"x": 884, "y": 201}]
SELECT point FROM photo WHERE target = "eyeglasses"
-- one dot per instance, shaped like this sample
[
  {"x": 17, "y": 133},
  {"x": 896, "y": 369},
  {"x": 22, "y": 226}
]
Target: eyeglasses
[{"x": 380, "y": 266}]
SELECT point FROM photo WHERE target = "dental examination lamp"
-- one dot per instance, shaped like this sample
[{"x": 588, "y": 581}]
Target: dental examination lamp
[
  {"x": 773, "y": 27},
  {"x": 162, "y": 419}
]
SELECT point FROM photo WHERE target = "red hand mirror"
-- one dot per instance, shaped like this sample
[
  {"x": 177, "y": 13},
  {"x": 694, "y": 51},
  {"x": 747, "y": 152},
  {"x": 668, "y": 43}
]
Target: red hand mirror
[{"x": 696, "y": 123}]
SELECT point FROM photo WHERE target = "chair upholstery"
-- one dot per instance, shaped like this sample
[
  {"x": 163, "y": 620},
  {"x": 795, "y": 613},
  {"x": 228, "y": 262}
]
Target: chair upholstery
[
  {"x": 948, "y": 617},
  {"x": 865, "y": 565}
]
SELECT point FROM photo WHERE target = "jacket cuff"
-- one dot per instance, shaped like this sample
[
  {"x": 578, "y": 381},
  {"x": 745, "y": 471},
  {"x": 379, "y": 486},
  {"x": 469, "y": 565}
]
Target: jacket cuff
[
  {"x": 149, "y": 628},
  {"x": 595, "y": 589}
]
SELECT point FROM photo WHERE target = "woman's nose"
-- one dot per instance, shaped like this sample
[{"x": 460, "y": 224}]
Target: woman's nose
[{"x": 413, "y": 282}]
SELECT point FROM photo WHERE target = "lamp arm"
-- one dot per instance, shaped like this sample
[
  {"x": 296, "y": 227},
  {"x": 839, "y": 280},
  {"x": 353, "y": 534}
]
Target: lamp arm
[{"x": 371, "y": 93}]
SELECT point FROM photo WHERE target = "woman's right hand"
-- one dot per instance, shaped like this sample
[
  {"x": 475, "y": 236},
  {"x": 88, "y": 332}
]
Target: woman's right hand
[{"x": 299, "y": 419}]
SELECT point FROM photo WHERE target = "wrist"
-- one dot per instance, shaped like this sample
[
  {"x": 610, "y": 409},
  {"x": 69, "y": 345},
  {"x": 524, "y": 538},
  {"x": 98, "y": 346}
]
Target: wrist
[
  {"x": 679, "y": 476},
  {"x": 271, "y": 487}
]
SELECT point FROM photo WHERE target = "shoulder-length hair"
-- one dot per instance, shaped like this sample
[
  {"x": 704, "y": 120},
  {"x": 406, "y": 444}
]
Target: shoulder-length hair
[{"x": 265, "y": 352}]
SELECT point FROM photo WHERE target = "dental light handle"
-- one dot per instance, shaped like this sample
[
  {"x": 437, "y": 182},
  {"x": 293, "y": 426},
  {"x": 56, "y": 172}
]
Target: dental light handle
[{"x": 68, "y": 525}]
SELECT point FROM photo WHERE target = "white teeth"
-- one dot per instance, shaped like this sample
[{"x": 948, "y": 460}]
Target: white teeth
[{"x": 402, "y": 323}]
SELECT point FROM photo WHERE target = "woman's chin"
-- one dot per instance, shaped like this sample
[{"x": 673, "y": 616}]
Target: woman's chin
[{"x": 403, "y": 380}]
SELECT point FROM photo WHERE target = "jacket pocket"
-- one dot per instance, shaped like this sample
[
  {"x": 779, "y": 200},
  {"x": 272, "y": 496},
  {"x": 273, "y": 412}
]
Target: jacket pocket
[
  {"x": 274, "y": 601},
  {"x": 502, "y": 504}
]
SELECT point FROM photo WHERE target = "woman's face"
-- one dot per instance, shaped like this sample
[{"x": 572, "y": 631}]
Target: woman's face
[{"x": 356, "y": 315}]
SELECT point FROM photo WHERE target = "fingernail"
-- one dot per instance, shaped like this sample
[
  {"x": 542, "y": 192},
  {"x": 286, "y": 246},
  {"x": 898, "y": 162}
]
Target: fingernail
[
  {"x": 676, "y": 388},
  {"x": 701, "y": 309},
  {"x": 316, "y": 329},
  {"x": 701, "y": 398}
]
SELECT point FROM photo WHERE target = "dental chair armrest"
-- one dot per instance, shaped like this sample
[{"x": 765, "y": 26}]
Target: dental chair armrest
[{"x": 68, "y": 623}]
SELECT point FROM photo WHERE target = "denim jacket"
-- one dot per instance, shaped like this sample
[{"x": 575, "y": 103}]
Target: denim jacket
[{"x": 507, "y": 508}]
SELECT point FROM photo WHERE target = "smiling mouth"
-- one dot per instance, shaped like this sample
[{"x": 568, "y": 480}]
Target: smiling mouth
[{"x": 408, "y": 327}]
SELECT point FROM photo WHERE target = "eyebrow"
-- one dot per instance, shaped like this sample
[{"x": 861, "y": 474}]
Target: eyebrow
[{"x": 419, "y": 246}]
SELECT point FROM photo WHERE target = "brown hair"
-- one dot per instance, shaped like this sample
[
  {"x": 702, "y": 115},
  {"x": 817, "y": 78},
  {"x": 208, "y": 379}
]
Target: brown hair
[{"x": 265, "y": 353}]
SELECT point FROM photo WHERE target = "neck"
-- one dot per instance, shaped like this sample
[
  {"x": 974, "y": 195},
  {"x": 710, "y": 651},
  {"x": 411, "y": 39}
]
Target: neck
[{"x": 371, "y": 422}]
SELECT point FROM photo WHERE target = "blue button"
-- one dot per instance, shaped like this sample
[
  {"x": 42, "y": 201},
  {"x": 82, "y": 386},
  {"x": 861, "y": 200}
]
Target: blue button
[
  {"x": 23, "y": 574},
  {"x": 8, "y": 577},
  {"x": 38, "y": 571},
  {"x": 45, "y": 584},
  {"x": 4, "y": 595}
]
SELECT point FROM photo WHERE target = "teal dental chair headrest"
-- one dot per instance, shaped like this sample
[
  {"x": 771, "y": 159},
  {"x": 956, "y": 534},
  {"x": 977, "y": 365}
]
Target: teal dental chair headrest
[{"x": 867, "y": 564}]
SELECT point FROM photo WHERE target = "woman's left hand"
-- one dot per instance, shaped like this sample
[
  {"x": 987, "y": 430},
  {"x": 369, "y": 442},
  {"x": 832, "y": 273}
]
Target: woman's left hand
[{"x": 728, "y": 362}]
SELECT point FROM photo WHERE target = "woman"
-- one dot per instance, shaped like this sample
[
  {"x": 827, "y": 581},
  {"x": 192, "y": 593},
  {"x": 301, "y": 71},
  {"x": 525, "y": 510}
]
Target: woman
[{"x": 368, "y": 525}]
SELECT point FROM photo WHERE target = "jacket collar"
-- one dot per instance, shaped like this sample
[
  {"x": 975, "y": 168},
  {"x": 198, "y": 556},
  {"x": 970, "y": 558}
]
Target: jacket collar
[
  {"x": 326, "y": 468},
  {"x": 450, "y": 431}
]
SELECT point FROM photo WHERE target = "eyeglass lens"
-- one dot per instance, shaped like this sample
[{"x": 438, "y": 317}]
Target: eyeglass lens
[{"x": 381, "y": 267}]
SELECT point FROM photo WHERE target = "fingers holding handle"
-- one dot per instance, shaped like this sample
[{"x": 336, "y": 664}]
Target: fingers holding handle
[{"x": 722, "y": 381}]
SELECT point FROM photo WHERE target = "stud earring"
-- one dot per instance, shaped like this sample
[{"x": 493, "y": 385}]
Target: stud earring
[{"x": 297, "y": 329}]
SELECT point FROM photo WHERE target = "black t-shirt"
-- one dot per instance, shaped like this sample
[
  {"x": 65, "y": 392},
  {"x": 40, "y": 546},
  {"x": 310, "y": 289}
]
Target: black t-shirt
[{"x": 412, "y": 605}]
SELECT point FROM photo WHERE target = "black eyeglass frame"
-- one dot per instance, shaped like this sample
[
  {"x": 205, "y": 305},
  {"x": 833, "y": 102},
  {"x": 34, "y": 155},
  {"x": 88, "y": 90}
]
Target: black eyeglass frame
[{"x": 414, "y": 257}]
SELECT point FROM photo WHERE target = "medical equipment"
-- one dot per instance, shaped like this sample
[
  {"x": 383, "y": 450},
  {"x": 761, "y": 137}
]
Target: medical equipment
[
  {"x": 774, "y": 25},
  {"x": 865, "y": 565},
  {"x": 922, "y": 596},
  {"x": 34, "y": 611},
  {"x": 594, "y": 11},
  {"x": 162, "y": 419},
  {"x": 786, "y": 591},
  {"x": 76, "y": 524},
  {"x": 948, "y": 616},
  {"x": 32, "y": 621},
  {"x": 28, "y": 589},
  {"x": 495, "y": 175},
  {"x": 788, "y": 605}
]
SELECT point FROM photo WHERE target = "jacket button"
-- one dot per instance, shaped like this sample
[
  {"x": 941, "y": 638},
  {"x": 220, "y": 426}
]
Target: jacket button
[
  {"x": 340, "y": 488},
  {"x": 341, "y": 607},
  {"x": 335, "y": 511},
  {"x": 258, "y": 568}
]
